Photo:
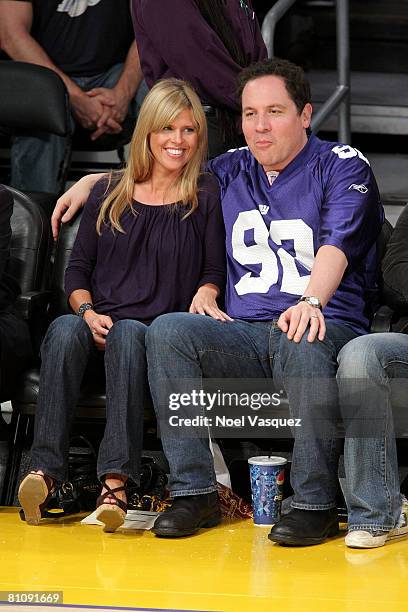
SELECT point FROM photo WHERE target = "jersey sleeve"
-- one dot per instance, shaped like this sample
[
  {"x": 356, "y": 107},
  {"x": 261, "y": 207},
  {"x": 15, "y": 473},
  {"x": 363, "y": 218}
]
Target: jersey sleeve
[{"x": 351, "y": 214}]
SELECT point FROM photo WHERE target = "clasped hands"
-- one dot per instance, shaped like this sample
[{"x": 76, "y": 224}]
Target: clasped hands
[{"x": 101, "y": 109}]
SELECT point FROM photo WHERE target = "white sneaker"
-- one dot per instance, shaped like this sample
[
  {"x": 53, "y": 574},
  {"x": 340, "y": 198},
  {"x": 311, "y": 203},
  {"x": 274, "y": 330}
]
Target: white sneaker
[{"x": 373, "y": 539}]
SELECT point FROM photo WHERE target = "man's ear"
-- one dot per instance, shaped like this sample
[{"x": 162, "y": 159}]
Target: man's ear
[{"x": 307, "y": 115}]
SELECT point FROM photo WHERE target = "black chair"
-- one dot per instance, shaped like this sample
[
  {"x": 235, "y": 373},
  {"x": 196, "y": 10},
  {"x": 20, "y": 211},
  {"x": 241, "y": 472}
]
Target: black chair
[
  {"x": 52, "y": 302},
  {"x": 34, "y": 99},
  {"x": 29, "y": 262}
]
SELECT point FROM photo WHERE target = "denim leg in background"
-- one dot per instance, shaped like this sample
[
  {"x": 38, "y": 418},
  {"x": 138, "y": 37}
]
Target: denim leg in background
[
  {"x": 127, "y": 393},
  {"x": 367, "y": 365},
  {"x": 186, "y": 346},
  {"x": 36, "y": 162},
  {"x": 308, "y": 372},
  {"x": 65, "y": 352}
]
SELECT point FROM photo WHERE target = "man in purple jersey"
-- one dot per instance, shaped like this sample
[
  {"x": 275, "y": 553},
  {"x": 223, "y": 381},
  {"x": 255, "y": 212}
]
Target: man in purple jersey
[{"x": 302, "y": 217}]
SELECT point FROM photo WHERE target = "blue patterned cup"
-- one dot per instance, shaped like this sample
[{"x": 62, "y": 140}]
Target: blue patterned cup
[{"x": 267, "y": 475}]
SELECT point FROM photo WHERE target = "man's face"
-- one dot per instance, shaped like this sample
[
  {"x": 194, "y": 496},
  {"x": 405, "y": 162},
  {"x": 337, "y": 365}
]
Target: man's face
[{"x": 273, "y": 129}]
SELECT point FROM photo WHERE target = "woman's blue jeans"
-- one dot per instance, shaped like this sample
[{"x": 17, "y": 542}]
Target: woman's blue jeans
[
  {"x": 186, "y": 346},
  {"x": 67, "y": 352},
  {"x": 367, "y": 367}
]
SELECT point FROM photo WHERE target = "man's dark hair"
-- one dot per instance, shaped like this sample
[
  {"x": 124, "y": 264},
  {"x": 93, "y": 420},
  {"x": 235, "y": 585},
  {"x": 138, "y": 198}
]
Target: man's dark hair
[{"x": 295, "y": 79}]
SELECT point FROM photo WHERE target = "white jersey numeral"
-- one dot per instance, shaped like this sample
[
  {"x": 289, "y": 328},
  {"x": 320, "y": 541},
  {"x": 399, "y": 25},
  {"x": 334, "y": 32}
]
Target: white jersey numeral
[
  {"x": 261, "y": 253},
  {"x": 346, "y": 152},
  {"x": 258, "y": 253}
]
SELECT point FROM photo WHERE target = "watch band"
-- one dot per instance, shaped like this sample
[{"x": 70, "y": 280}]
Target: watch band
[
  {"x": 83, "y": 308},
  {"x": 311, "y": 300}
]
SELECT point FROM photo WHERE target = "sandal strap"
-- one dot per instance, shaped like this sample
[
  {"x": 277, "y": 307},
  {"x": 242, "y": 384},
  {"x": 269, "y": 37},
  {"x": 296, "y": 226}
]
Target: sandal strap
[
  {"x": 111, "y": 493},
  {"x": 49, "y": 481}
]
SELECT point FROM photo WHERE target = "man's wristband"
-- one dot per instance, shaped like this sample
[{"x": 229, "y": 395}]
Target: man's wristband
[{"x": 83, "y": 308}]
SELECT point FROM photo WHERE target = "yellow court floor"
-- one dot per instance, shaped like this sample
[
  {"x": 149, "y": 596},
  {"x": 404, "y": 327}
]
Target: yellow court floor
[{"x": 231, "y": 568}]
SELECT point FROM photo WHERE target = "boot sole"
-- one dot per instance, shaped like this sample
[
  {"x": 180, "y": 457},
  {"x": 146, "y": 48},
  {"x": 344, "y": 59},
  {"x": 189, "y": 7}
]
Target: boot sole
[
  {"x": 111, "y": 516},
  {"x": 164, "y": 532},
  {"x": 299, "y": 541},
  {"x": 31, "y": 494}
]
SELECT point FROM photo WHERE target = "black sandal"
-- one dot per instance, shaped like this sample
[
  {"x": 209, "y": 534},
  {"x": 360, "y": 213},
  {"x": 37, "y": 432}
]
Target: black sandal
[
  {"x": 33, "y": 495},
  {"x": 111, "y": 515}
]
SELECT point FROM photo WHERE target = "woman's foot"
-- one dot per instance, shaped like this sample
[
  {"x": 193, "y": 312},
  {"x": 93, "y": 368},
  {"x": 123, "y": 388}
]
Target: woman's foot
[
  {"x": 111, "y": 505},
  {"x": 33, "y": 495}
]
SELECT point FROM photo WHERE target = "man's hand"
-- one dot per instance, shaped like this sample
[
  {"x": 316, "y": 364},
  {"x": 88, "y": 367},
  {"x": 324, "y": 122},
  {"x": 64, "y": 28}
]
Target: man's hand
[
  {"x": 86, "y": 110},
  {"x": 205, "y": 302},
  {"x": 116, "y": 106},
  {"x": 295, "y": 320},
  {"x": 71, "y": 201},
  {"x": 99, "y": 326}
]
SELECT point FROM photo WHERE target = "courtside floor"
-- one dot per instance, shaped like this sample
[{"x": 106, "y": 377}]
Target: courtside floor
[{"x": 231, "y": 568}]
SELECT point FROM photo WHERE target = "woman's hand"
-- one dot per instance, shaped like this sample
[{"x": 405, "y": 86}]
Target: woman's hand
[
  {"x": 295, "y": 320},
  {"x": 205, "y": 302},
  {"x": 99, "y": 326}
]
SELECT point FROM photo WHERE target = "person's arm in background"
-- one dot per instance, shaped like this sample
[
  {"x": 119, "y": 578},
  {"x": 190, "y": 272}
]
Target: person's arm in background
[
  {"x": 119, "y": 97},
  {"x": 16, "y": 18},
  {"x": 395, "y": 265}
]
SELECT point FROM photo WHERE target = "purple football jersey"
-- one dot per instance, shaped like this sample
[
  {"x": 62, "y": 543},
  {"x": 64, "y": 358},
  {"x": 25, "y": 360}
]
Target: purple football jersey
[{"x": 327, "y": 195}]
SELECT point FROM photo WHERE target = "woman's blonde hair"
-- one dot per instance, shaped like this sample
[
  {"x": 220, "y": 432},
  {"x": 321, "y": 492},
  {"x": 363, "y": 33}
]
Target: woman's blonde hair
[{"x": 160, "y": 108}]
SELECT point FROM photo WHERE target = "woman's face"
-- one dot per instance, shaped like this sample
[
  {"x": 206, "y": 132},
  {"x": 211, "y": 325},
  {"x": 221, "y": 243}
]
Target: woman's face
[{"x": 174, "y": 145}]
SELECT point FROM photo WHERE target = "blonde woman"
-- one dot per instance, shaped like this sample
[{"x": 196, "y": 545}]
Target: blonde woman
[{"x": 150, "y": 241}]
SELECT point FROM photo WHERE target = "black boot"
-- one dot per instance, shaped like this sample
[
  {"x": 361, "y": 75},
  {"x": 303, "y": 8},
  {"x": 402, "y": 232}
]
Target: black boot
[
  {"x": 187, "y": 515},
  {"x": 305, "y": 527}
]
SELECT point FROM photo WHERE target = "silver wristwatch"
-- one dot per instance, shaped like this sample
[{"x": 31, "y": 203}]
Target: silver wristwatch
[
  {"x": 312, "y": 301},
  {"x": 83, "y": 308}
]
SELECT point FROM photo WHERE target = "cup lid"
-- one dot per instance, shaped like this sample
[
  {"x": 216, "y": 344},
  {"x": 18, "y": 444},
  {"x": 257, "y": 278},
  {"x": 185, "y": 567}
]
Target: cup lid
[{"x": 267, "y": 460}]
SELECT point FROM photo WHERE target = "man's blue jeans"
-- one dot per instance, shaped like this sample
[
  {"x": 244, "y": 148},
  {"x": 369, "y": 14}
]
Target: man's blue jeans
[
  {"x": 367, "y": 366},
  {"x": 182, "y": 346},
  {"x": 36, "y": 161},
  {"x": 67, "y": 353}
]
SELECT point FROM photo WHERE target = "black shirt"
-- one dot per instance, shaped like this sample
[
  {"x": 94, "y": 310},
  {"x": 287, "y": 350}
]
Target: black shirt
[{"x": 83, "y": 42}]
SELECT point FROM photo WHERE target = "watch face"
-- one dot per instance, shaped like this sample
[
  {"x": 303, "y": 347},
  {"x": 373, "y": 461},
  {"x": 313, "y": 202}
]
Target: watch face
[{"x": 313, "y": 301}]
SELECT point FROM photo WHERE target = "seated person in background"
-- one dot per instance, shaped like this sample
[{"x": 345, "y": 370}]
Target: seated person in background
[
  {"x": 207, "y": 43},
  {"x": 151, "y": 240},
  {"x": 367, "y": 368},
  {"x": 90, "y": 44},
  {"x": 15, "y": 345}
]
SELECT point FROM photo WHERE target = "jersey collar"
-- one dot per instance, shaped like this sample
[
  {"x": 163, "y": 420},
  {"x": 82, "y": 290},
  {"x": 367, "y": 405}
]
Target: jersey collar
[{"x": 298, "y": 162}]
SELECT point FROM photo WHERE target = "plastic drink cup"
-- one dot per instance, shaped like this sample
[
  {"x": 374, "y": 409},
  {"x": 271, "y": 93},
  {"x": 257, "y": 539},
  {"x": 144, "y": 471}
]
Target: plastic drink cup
[{"x": 267, "y": 475}]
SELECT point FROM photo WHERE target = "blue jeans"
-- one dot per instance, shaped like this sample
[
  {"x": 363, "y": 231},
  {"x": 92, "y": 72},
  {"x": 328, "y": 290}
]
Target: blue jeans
[
  {"x": 36, "y": 162},
  {"x": 67, "y": 352},
  {"x": 367, "y": 366},
  {"x": 186, "y": 346}
]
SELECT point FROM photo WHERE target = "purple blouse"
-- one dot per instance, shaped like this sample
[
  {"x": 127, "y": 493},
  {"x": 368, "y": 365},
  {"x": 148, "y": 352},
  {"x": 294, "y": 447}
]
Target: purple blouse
[
  {"x": 157, "y": 264},
  {"x": 174, "y": 40}
]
